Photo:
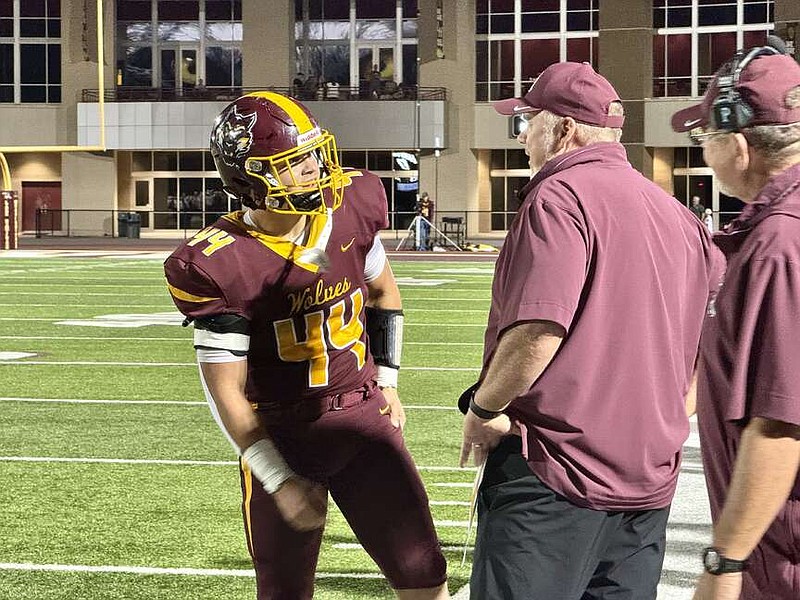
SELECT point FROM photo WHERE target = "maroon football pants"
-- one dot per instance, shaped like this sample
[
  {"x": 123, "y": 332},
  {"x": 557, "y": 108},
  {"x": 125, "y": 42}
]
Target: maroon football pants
[{"x": 362, "y": 460}]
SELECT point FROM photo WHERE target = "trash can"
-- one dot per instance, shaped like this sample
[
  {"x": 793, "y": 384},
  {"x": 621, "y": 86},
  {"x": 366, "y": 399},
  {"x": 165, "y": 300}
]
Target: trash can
[
  {"x": 122, "y": 224},
  {"x": 134, "y": 225}
]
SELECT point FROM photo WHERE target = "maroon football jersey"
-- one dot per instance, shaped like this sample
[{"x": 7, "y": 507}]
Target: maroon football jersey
[{"x": 307, "y": 327}]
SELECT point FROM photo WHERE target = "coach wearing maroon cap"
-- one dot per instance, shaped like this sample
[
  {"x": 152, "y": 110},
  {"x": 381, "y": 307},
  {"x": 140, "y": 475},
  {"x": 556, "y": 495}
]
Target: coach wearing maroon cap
[
  {"x": 597, "y": 305},
  {"x": 749, "y": 382}
]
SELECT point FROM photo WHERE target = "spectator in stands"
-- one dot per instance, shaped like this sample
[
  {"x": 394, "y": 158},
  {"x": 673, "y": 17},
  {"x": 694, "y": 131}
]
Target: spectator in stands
[
  {"x": 297, "y": 84},
  {"x": 374, "y": 86},
  {"x": 332, "y": 90},
  {"x": 589, "y": 352}
]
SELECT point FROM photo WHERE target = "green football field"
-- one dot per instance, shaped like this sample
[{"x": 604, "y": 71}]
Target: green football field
[{"x": 116, "y": 482}]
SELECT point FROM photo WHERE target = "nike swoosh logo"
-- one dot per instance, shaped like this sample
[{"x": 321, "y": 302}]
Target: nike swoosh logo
[
  {"x": 385, "y": 410},
  {"x": 521, "y": 108},
  {"x": 691, "y": 123},
  {"x": 346, "y": 247}
]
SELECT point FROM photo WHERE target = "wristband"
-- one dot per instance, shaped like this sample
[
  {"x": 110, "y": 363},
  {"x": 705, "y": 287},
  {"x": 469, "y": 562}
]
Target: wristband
[
  {"x": 386, "y": 376},
  {"x": 267, "y": 464},
  {"x": 481, "y": 412}
]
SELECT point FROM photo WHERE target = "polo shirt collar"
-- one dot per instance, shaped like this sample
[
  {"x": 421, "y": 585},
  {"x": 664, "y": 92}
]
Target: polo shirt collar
[
  {"x": 781, "y": 195},
  {"x": 605, "y": 152}
]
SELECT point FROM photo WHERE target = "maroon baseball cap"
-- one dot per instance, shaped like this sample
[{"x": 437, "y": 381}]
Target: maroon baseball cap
[
  {"x": 568, "y": 89},
  {"x": 769, "y": 84}
]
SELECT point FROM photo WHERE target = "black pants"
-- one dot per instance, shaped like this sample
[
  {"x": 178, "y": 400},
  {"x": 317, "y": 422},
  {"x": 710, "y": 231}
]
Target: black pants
[{"x": 533, "y": 544}]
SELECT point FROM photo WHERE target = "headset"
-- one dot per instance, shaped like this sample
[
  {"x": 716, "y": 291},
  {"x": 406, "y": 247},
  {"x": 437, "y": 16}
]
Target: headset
[{"x": 729, "y": 110}]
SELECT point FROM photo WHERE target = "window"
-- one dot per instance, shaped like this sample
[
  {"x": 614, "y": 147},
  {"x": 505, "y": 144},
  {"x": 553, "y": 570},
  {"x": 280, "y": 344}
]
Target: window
[
  {"x": 341, "y": 41},
  {"x": 400, "y": 177},
  {"x": 178, "y": 43},
  {"x": 540, "y": 32},
  {"x": 509, "y": 173},
  {"x": 35, "y": 50},
  {"x": 695, "y": 37},
  {"x": 187, "y": 192}
]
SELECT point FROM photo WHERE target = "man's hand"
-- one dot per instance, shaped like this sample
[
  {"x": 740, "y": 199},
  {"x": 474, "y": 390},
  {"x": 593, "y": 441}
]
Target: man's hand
[
  {"x": 718, "y": 587},
  {"x": 394, "y": 406},
  {"x": 302, "y": 503},
  {"x": 481, "y": 436}
]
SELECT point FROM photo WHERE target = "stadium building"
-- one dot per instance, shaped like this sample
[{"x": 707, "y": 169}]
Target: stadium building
[{"x": 405, "y": 85}]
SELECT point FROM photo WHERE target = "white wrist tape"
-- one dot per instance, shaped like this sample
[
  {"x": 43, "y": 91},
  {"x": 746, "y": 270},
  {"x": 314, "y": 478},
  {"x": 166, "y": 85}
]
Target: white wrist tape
[
  {"x": 386, "y": 376},
  {"x": 267, "y": 464}
]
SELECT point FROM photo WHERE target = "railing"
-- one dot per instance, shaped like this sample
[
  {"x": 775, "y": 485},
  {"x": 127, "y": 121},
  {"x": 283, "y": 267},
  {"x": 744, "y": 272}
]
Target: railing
[
  {"x": 83, "y": 222},
  {"x": 226, "y": 94}
]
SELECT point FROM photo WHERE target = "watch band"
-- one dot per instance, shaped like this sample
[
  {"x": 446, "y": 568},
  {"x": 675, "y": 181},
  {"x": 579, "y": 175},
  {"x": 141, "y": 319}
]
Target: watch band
[
  {"x": 481, "y": 412},
  {"x": 716, "y": 563}
]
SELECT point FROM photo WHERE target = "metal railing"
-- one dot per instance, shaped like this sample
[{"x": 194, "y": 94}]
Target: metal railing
[
  {"x": 226, "y": 94},
  {"x": 459, "y": 226},
  {"x": 84, "y": 222}
]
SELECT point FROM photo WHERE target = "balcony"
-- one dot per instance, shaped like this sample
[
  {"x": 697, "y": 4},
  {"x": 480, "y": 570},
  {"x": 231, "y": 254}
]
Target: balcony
[{"x": 405, "y": 117}]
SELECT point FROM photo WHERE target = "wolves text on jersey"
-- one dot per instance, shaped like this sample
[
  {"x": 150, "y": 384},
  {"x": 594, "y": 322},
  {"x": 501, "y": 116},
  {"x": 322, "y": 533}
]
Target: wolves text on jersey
[{"x": 318, "y": 295}]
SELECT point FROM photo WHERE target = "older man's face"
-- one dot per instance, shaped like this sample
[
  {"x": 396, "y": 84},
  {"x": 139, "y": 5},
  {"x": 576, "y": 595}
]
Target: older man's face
[
  {"x": 719, "y": 152},
  {"x": 535, "y": 139}
]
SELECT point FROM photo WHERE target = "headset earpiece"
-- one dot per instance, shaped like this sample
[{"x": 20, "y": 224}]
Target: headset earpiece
[{"x": 730, "y": 112}]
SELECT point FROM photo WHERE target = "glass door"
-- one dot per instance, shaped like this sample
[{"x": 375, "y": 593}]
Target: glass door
[
  {"x": 168, "y": 72},
  {"x": 179, "y": 67},
  {"x": 188, "y": 72},
  {"x": 143, "y": 194}
]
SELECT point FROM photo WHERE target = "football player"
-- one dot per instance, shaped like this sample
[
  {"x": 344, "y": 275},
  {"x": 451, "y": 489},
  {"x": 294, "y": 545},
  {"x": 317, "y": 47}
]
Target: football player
[{"x": 297, "y": 328}]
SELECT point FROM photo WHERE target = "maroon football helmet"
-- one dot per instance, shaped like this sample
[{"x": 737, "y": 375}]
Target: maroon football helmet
[{"x": 262, "y": 134}]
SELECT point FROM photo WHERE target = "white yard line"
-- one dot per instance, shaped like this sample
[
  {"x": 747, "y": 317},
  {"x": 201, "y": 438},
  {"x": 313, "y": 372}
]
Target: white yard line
[
  {"x": 186, "y": 571},
  {"x": 175, "y": 462},
  {"x": 357, "y": 546},
  {"x": 166, "y": 307},
  {"x": 418, "y": 324},
  {"x": 186, "y": 339},
  {"x": 160, "y": 402},
  {"x": 78, "y": 363},
  {"x": 78, "y": 293},
  {"x": 62, "y": 305},
  {"x": 91, "y": 401}
]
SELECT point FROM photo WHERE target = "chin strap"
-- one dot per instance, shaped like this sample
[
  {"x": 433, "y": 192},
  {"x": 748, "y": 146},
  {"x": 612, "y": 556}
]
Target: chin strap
[{"x": 316, "y": 254}]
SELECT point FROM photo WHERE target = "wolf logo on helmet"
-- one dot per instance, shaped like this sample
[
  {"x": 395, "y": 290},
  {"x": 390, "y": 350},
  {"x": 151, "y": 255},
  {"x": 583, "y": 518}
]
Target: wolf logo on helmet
[
  {"x": 234, "y": 134},
  {"x": 259, "y": 138}
]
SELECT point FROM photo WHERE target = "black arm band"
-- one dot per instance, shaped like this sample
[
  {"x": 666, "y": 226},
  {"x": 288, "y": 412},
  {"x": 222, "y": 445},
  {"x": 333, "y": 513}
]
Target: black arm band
[
  {"x": 481, "y": 412},
  {"x": 223, "y": 323},
  {"x": 385, "y": 333},
  {"x": 222, "y": 332}
]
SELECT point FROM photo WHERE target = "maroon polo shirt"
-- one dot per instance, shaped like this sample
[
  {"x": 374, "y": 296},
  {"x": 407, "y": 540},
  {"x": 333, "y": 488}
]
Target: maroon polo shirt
[
  {"x": 751, "y": 340},
  {"x": 627, "y": 271}
]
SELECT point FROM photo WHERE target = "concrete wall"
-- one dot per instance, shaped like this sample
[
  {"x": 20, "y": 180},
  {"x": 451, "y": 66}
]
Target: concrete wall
[
  {"x": 268, "y": 55},
  {"x": 787, "y": 22},
  {"x": 626, "y": 32},
  {"x": 33, "y": 125},
  {"x": 89, "y": 181},
  {"x": 186, "y": 125},
  {"x": 457, "y": 167},
  {"x": 28, "y": 166}
]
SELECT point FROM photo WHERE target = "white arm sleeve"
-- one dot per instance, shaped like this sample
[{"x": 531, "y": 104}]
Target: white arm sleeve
[{"x": 375, "y": 261}]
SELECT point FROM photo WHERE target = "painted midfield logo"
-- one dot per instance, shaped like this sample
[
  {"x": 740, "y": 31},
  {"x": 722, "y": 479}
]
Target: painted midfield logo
[{"x": 234, "y": 135}]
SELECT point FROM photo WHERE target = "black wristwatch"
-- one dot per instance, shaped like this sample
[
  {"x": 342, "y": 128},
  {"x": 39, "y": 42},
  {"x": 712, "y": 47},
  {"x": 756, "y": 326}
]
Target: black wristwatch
[{"x": 716, "y": 563}]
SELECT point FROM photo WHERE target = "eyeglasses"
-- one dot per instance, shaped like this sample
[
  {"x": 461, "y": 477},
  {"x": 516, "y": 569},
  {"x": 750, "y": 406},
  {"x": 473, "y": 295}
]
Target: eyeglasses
[{"x": 699, "y": 136}]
